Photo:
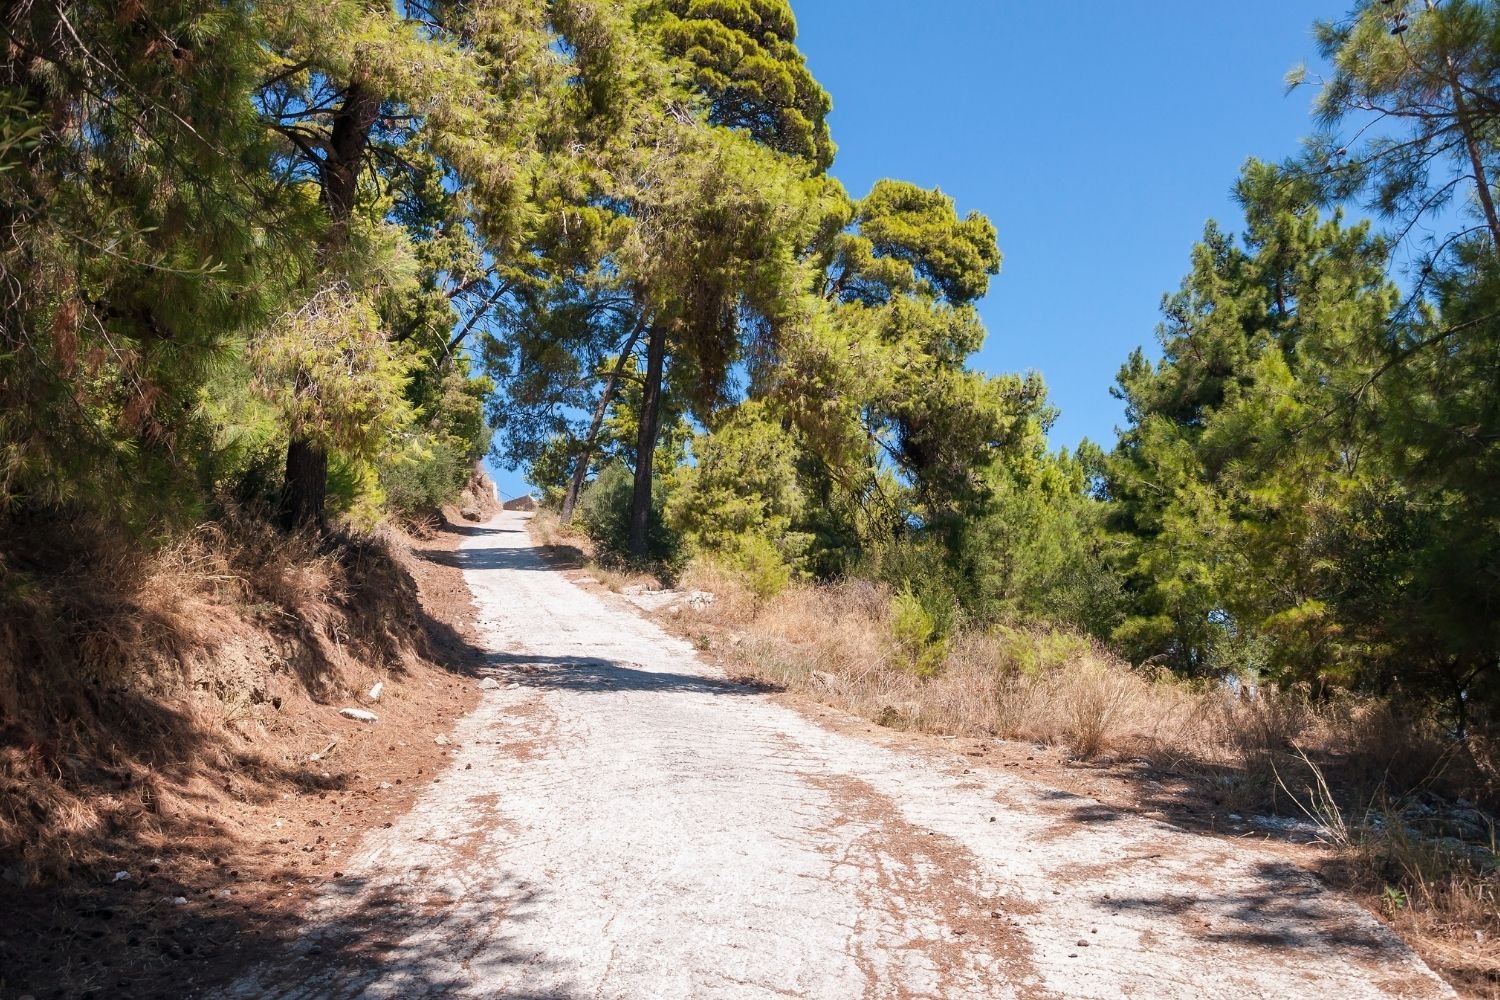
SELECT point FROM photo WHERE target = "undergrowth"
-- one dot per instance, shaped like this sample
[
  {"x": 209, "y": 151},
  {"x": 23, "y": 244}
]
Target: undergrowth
[{"x": 127, "y": 672}]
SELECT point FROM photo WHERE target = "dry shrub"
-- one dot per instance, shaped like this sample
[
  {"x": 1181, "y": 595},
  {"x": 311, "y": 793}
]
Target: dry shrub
[
  {"x": 123, "y": 671},
  {"x": 1095, "y": 700},
  {"x": 1254, "y": 731},
  {"x": 838, "y": 641},
  {"x": 1055, "y": 687},
  {"x": 734, "y": 604}
]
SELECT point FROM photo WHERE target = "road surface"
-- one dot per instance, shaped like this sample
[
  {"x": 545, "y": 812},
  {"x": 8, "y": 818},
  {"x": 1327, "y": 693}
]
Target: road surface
[{"x": 620, "y": 821}]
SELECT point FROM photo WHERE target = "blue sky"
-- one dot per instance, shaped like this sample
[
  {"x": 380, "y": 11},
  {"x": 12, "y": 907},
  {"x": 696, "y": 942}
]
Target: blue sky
[{"x": 1098, "y": 137}]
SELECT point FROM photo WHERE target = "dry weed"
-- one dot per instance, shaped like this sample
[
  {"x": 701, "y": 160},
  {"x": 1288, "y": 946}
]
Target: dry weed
[{"x": 136, "y": 660}]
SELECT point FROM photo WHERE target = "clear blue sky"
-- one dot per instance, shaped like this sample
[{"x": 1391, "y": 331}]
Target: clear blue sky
[{"x": 1098, "y": 137}]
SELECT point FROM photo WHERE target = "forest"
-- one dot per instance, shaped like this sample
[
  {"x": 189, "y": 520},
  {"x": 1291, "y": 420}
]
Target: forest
[
  {"x": 304, "y": 265},
  {"x": 276, "y": 277}
]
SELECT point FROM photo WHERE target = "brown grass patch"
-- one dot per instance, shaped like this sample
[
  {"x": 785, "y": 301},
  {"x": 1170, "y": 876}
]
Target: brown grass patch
[{"x": 566, "y": 547}]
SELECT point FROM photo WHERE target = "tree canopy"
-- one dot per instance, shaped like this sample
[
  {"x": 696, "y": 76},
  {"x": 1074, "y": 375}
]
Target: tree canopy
[{"x": 317, "y": 261}]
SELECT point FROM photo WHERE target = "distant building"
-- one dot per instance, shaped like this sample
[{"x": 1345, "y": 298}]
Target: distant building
[{"x": 522, "y": 502}]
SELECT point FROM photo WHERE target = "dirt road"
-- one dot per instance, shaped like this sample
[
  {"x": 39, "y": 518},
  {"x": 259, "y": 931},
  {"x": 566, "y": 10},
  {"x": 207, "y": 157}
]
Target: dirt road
[{"x": 620, "y": 821}]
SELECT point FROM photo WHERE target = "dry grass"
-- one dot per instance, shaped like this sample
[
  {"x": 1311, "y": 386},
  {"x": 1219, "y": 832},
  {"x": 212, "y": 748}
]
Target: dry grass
[
  {"x": 560, "y": 541},
  {"x": 1350, "y": 763},
  {"x": 566, "y": 546},
  {"x": 1056, "y": 688},
  {"x": 1012, "y": 683},
  {"x": 125, "y": 675}
]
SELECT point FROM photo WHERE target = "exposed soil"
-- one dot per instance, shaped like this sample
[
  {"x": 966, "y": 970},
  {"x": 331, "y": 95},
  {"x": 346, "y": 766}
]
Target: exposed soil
[{"x": 222, "y": 875}]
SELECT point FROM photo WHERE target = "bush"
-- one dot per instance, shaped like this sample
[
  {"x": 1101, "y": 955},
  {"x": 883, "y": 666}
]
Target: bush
[
  {"x": 761, "y": 565},
  {"x": 1036, "y": 651},
  {"x": 920, "y": 569},
  {"x": 916, "y": 634},
  {"x": 603, "y": 513},
  {"x": 424, "y": 477}
]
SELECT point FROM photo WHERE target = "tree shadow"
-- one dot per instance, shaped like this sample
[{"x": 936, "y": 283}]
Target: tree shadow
[
  {"x": 160, "y": 935},
  {"x": 101, "y": 775},
  {"x": 591, "y": 674},
  {"x": 403, "y": 941},
  {"x": 173, "y": 917},
  {"x": 474, "y": 530},
  {"x": 485, "y": 559},
  {"x": 1282, "y": 912}
]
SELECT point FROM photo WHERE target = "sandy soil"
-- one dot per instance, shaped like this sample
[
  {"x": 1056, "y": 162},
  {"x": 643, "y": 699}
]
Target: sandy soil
[{"x": 618, "y": 819}]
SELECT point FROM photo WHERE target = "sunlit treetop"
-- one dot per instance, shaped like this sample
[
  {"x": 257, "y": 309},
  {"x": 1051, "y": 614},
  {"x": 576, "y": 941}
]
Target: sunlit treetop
[{"x": 743, "y": 57}]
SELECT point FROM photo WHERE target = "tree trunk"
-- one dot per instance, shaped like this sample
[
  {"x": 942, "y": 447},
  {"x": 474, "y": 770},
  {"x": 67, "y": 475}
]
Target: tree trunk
[
  {"x": 581, "y": 468},
  {"x": 645, "y": 449},
  {"x": 304, "y": 491},
  {"x": 339, "y": 171},
  {"x": 1471, "y": 146}
]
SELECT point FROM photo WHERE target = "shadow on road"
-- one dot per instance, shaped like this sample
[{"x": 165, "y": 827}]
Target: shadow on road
[
  {"x": 594, "y": 674},
  {"x": 1282, "y": 913},
  {"x": 411, "y": 940},
  {"x": 488, "y": 558}
]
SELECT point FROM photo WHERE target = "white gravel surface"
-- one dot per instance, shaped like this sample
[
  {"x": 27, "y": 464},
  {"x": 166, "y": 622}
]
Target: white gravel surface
[{"x": 620, "y": 821}]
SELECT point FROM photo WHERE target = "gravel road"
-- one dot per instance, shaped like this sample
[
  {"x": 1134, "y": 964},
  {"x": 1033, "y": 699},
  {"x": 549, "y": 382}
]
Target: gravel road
[{"x": 620, "y": 821}]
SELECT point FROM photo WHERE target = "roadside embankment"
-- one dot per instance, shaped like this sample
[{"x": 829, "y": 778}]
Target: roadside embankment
[{"x": 175, "y": 773}]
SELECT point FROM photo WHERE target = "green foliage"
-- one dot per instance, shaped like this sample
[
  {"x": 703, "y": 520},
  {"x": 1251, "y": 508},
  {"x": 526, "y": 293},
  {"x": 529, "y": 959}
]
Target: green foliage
[
  {"x": 334, "y": 376},
  {"x": 130, "y": 171},
  {"x": 1241, "y": 452},
  {"x": 366, "y": 236},
  {"x": 604, "y": 515},
  {"x": 1037, "y": 651},
  {"x": 919, "y": 567},
  {"x": 1293, "y": 495},
  {"x": 1406, "y": 121},
  {"x": 738, "y": 500},
  {"x": 761, "y": 565},
  {"x": 909, "y": 239},
  {"x": 424, "y": 476},
  {"x": 743, "y": 58},
  {"x": 916, "y": 634}
]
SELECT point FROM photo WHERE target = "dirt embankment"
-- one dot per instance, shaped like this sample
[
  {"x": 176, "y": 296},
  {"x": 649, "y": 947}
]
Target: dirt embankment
[{"x": 175, "y": 777}]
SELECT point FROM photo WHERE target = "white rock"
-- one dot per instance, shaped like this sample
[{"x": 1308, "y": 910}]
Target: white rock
[
  {"x": 120, "y": 876},
  {"x": 441, "y": 741},
  {"x": 358, "y": 714},
  {"x": 376, "y": 690},
  {"x": 489, "y": 684},
  {"x": 178, "y": 900}
]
